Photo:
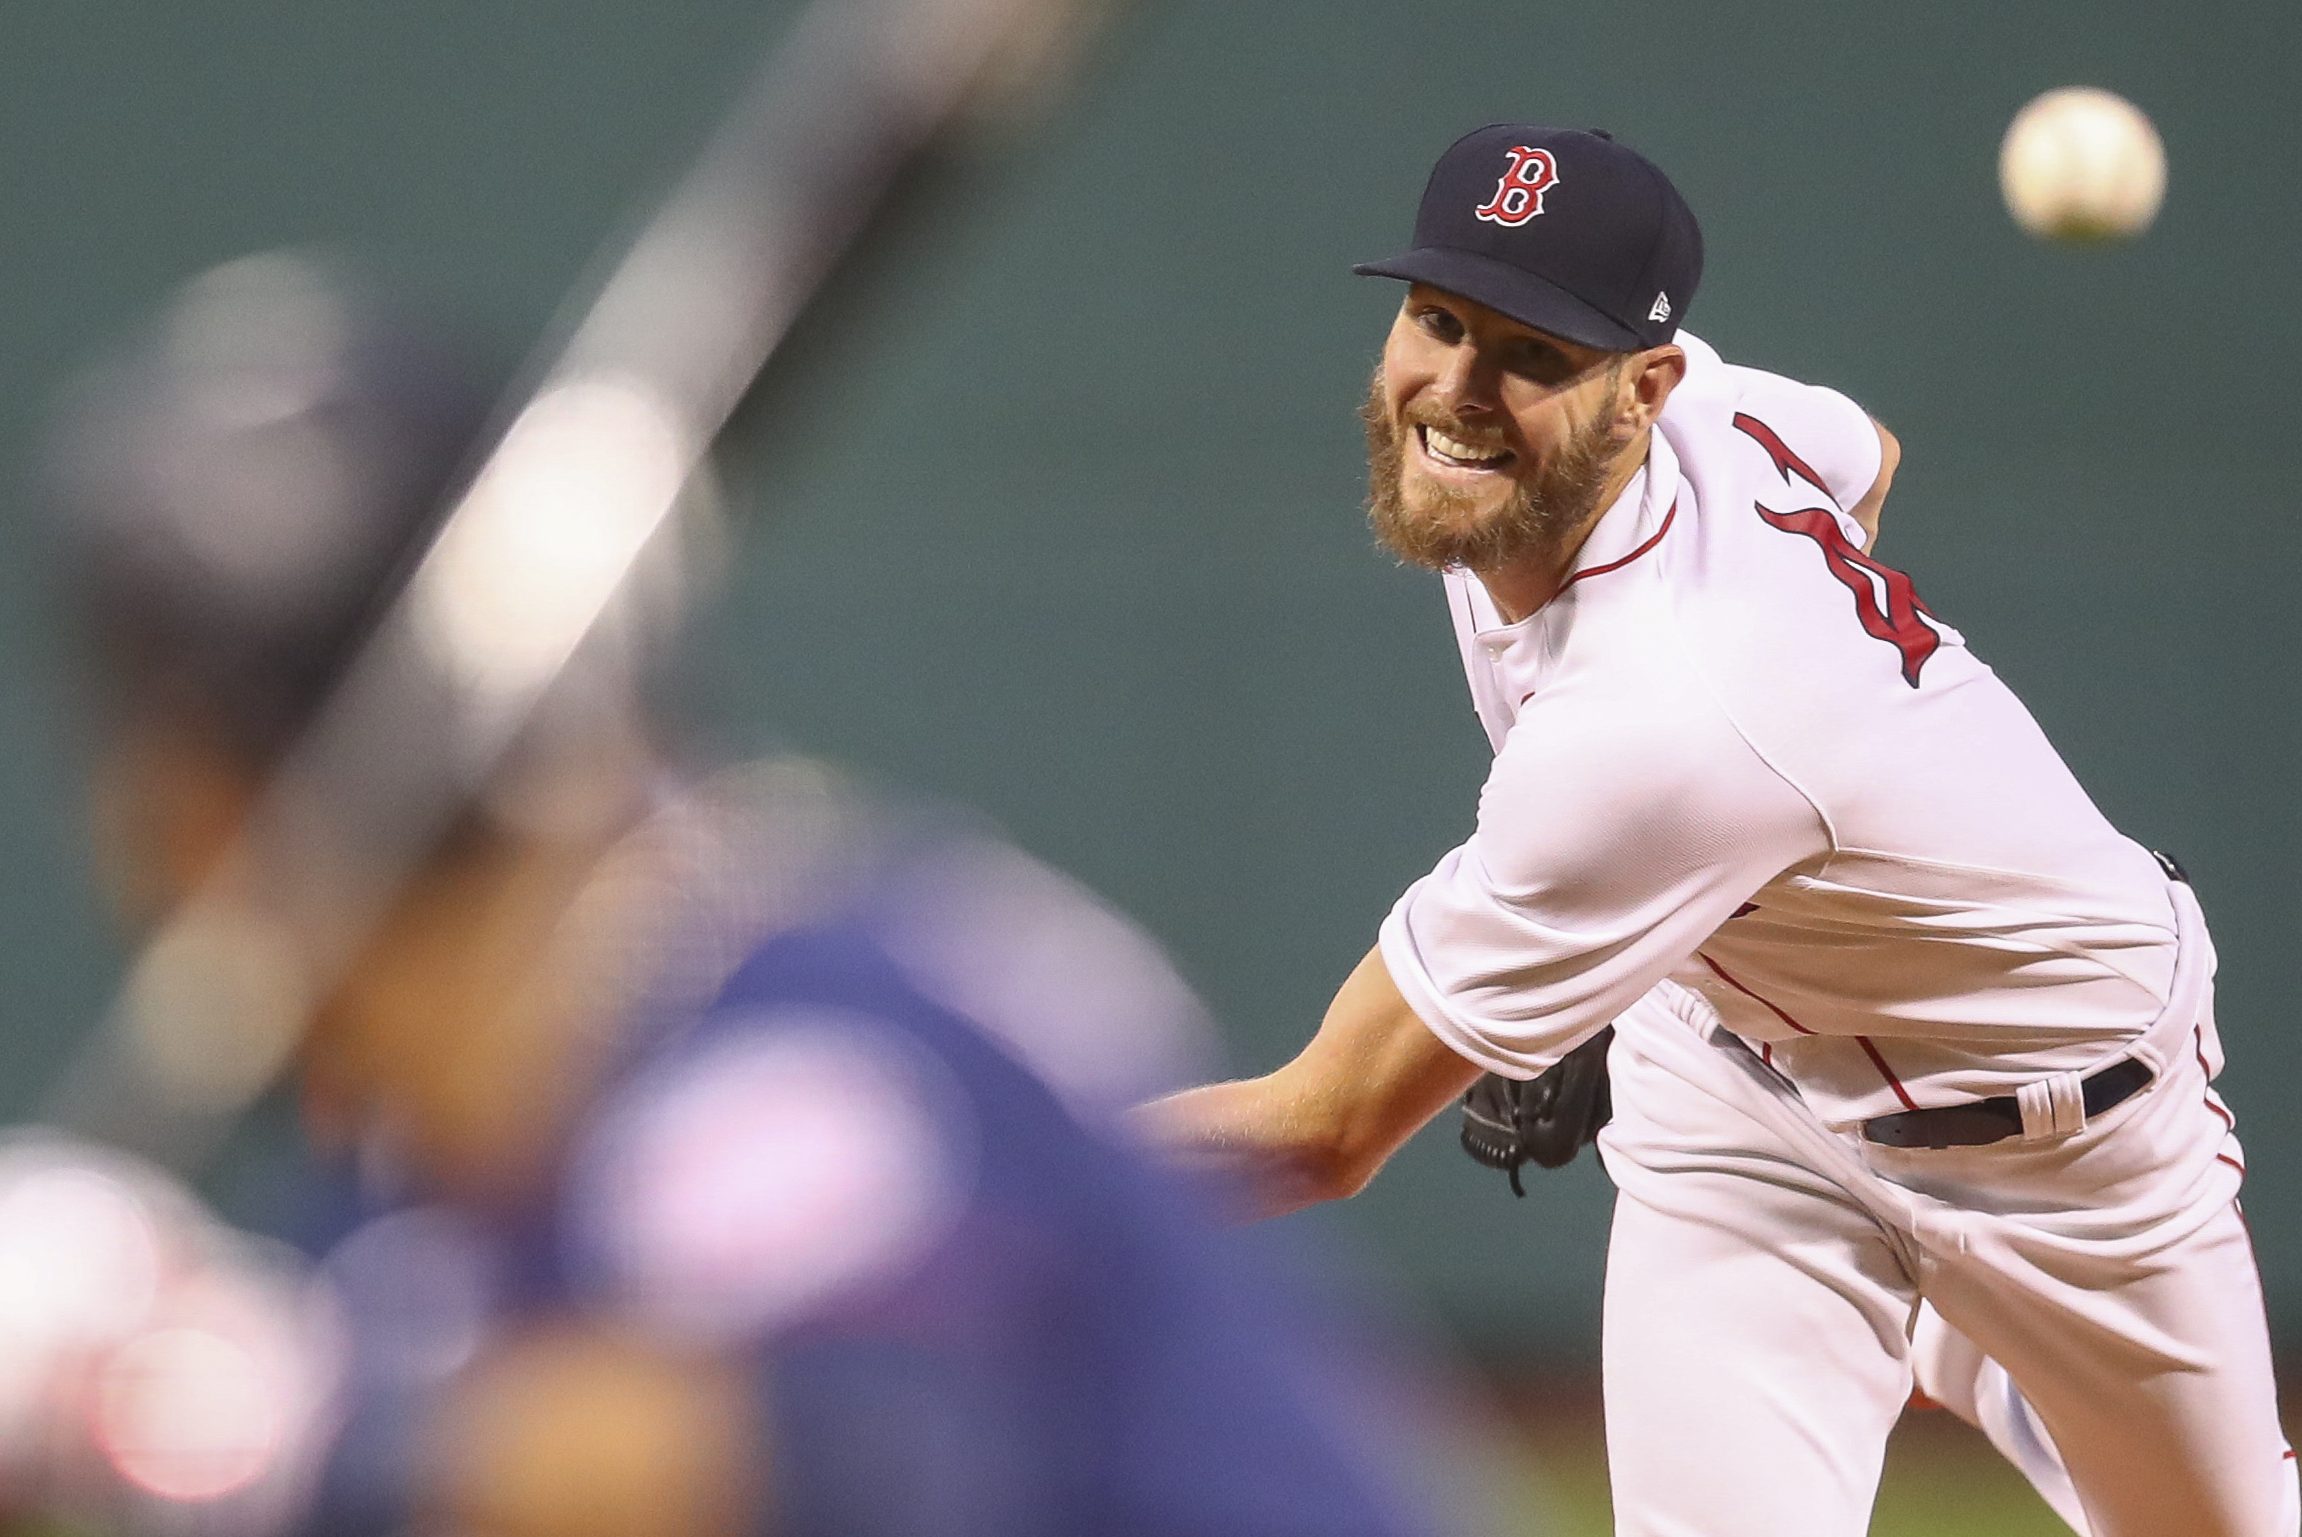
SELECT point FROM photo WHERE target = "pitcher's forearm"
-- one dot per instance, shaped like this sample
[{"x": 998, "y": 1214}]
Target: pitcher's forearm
[
  {"x": 1318, "y": 1128},
  {"x": 1245, "y": 1136}
]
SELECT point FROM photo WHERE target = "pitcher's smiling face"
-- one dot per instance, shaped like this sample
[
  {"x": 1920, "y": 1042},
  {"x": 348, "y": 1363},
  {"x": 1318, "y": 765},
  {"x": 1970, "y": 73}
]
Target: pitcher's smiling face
[{"x": 1489, "y": 440}]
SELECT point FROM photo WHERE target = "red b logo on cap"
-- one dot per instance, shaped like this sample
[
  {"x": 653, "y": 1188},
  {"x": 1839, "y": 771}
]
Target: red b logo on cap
[{"x": 1519, "y": 195}]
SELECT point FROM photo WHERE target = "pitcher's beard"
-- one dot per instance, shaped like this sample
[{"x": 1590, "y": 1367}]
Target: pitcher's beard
[{"x": 1441, "y": 526}]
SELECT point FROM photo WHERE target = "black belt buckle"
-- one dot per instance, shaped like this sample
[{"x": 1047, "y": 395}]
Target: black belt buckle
[{"x": 1995, "y": 1119}]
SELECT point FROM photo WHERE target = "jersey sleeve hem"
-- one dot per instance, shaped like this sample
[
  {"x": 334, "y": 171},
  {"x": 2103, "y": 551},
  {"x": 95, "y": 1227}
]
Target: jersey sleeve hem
[{"x": 1397, "y": 945}]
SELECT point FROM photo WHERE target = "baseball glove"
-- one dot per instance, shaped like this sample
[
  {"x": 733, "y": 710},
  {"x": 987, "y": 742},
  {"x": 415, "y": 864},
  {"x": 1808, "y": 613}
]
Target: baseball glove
[{"x": 1545, "y": 1120}]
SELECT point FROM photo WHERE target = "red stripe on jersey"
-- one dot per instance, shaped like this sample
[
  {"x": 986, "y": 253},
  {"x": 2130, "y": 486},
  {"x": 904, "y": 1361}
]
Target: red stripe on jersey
[
  {"x": 1886, "y": 1072},
  {"x": 1863, "y": 1041},
  {"x": 2199, "y": 1043},
  {"x": 1617, "y": 565},
  {"x": 1747, "y": 993},
  {"x": 1784, "y": 460}
]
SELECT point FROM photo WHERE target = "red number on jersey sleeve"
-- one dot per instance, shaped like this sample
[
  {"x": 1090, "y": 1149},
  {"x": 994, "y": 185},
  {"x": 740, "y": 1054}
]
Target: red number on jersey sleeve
[{"x": 1884, "y": 600}]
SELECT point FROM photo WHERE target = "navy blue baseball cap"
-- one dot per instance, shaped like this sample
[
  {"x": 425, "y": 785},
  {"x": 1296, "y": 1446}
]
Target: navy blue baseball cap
[{"x": 1561, "y": 229}]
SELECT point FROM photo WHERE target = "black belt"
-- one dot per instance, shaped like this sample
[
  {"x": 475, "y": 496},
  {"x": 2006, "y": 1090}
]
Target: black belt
[{"x": 1995, "y": 1119}]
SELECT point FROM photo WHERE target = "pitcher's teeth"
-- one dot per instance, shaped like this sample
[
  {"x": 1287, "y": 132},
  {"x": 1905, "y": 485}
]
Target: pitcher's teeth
[{"x": 1456, "y": 448}]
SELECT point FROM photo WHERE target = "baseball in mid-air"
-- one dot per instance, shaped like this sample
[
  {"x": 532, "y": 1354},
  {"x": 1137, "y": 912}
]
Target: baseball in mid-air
[{"x": 2082, "y": 164}]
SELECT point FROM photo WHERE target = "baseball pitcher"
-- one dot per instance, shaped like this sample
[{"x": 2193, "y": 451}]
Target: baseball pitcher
[{"x": 1909, "y": 1040}]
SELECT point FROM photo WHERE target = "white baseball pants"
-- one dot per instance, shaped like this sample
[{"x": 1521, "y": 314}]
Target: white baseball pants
[{"x": 1766, "y": 1276}]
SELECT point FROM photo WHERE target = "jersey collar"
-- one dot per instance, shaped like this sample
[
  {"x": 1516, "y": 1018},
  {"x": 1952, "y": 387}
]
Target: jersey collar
[{"x": 1634, "y": 522}]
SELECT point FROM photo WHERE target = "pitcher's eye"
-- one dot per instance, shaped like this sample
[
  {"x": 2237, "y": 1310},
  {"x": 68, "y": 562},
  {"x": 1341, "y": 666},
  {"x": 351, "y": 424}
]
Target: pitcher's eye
[
  {"x": 1438, "y": 324},
  {"x": 1540, "y": 362}
]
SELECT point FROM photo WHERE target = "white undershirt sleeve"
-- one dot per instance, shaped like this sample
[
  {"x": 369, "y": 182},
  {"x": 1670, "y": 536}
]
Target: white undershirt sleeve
[{"x": 1613, "y": 837}]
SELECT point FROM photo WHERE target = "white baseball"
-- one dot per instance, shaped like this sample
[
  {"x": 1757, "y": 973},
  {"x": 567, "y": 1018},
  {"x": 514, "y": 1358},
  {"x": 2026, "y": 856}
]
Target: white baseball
[{"x": 2082, "y": 164}]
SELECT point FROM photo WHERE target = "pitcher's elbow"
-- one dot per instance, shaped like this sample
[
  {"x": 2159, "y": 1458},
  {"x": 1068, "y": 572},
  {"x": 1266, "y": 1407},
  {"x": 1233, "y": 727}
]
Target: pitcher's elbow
[{"x": 1335, "y": 1168}]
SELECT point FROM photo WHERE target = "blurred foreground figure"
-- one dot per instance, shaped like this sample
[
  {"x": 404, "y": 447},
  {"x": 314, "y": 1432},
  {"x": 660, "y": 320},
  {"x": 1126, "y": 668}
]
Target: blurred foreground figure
[{"x": 720, "y": 1154}]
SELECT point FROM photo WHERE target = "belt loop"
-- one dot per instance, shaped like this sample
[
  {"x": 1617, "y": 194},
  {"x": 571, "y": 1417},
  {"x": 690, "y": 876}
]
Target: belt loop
[{"x": 2052, "y": 1107}]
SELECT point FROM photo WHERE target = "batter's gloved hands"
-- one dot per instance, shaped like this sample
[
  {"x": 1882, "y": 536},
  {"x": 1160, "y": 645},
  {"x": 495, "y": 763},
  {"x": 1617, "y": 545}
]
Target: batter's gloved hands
[{"x": 1545, "y": 1120}]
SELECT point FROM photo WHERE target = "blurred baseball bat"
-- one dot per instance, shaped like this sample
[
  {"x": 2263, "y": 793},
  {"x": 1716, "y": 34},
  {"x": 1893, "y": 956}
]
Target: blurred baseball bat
[{"x": 586, "y": 475}]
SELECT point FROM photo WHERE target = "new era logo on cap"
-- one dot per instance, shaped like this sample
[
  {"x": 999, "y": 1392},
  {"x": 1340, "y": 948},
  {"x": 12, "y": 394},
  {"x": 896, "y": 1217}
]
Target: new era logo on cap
[{"x": 1561, "y": 229}]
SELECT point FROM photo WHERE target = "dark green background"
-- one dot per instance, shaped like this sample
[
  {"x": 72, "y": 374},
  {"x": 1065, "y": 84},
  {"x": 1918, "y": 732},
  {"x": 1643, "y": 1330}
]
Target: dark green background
[{"x": 1066, "y": 522}]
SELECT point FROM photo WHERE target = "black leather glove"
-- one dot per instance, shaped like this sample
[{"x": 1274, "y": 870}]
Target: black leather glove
[{"x": 1544, "y": 1120}]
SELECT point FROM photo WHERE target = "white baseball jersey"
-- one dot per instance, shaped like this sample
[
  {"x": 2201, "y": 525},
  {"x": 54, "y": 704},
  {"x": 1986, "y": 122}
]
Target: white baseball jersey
[{"x": 1736, "y": 753}]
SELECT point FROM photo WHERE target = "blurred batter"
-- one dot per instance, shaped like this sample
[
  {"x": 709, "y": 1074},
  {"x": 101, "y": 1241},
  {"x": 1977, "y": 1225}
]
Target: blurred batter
[{"x": 717, "y": 1153}]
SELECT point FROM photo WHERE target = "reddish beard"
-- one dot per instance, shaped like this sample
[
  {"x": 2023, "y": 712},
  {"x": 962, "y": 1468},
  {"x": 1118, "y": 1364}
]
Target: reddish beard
[{"x": 1441, "y": 526}]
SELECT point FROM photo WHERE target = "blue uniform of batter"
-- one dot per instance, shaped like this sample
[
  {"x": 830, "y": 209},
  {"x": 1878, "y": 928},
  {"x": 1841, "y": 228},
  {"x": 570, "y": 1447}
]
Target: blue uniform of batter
[{"x": 965, "y": 1311}]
